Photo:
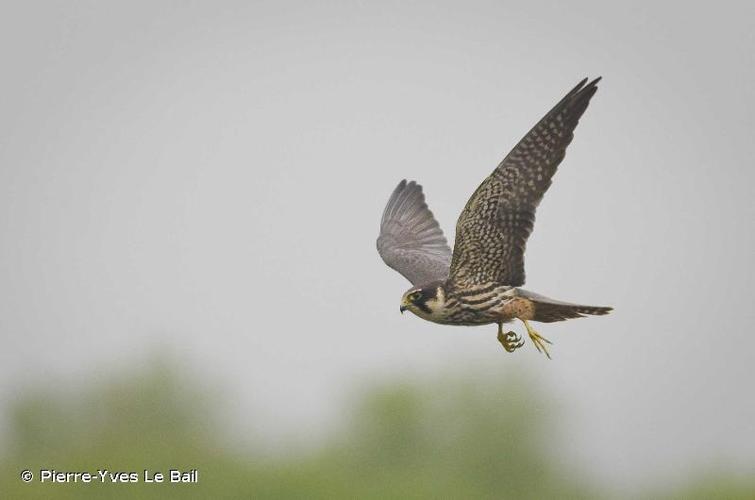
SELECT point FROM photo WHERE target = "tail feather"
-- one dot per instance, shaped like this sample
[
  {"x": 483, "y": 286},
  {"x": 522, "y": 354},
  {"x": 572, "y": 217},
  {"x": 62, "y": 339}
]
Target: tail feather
[
  {"x": 550, "y": 310},
  {"x": 550, "y": 313}
]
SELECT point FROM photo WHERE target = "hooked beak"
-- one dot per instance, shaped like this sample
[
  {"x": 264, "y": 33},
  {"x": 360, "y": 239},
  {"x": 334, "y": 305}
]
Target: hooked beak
[{"x": 402, "y": 309}]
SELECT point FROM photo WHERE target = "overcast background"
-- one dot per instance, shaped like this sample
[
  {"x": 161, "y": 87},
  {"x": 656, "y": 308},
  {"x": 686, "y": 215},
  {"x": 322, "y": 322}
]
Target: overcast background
[{"x": 205, "y": 179}]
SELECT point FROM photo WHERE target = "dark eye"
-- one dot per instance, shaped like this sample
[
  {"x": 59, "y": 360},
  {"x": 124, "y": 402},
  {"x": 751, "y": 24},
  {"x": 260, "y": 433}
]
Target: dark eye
[{"x": 415, "y": 296}]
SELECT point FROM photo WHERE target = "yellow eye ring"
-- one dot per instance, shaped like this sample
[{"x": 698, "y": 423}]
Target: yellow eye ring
[{"x": 414, "y": 296}]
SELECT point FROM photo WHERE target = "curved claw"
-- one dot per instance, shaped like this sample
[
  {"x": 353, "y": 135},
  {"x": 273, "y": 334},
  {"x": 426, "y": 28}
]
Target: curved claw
[{"x": 510, "y": 341}]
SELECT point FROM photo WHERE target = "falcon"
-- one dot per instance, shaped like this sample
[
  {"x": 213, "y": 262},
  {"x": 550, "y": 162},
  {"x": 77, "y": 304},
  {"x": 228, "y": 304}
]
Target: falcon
[{"x": 479, "y": 283}]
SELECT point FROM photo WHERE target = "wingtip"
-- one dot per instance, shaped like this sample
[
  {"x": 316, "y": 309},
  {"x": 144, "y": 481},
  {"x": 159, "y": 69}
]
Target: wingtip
[
  {"x": 586, "y": 83},
  {"x": 410, "y": 185},
  {"x": 584, "y": 91}
]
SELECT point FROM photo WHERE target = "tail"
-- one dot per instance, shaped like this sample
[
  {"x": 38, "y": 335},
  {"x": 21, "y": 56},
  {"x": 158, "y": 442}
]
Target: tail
[{"x": 550, "y": 310}]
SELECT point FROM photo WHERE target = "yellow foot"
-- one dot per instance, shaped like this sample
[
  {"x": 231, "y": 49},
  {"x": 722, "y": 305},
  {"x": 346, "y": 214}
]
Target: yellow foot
[
  {"x": 538, "y": 340},
  {"x": 509, "y": 340}
]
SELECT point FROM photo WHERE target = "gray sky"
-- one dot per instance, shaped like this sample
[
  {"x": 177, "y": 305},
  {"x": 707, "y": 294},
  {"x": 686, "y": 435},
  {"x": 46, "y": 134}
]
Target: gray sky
[{"x": 207, "y": 178}]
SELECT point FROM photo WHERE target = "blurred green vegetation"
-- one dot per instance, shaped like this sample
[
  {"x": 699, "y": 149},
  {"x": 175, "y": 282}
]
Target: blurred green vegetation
[{"x": 458, "y": 437}]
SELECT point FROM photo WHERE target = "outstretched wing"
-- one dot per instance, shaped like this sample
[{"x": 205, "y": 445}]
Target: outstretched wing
[
  {"x": 411, "y": 241},
  {"x": 492, "y": 230}
]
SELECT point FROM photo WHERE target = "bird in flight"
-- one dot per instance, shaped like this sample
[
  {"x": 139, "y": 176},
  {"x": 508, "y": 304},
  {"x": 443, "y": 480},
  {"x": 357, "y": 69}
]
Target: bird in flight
[{"x": 479, "y": 283}]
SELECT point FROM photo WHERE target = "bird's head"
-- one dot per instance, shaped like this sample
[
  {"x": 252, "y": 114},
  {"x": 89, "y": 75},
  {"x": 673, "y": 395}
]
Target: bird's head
[{"x": 425, "y": 301}]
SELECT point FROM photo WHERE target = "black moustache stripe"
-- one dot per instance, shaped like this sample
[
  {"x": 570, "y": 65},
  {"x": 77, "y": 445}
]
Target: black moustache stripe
[{"x": 423, "y": 307}]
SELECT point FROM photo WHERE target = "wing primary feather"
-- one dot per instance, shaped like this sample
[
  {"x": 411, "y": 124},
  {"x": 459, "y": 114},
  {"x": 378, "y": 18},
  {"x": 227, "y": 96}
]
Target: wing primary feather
[
  {"x": 493, "y": 228},
  {"x": 390, "y": 206},
  {"x": 411, "y": 240}
]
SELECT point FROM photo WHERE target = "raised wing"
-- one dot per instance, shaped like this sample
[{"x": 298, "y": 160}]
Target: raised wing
[
  {"x": 411, "y": 241},
  {"x": 492, "y": 230}
]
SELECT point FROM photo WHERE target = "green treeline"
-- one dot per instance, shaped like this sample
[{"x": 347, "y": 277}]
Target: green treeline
[{"x": 483, "y": 435}]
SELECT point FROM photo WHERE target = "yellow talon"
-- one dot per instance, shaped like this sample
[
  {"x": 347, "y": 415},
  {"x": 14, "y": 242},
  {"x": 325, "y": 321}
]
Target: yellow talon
[
  {"x": 537, "y": 339},
  {"x": 510, "y": 340}
]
